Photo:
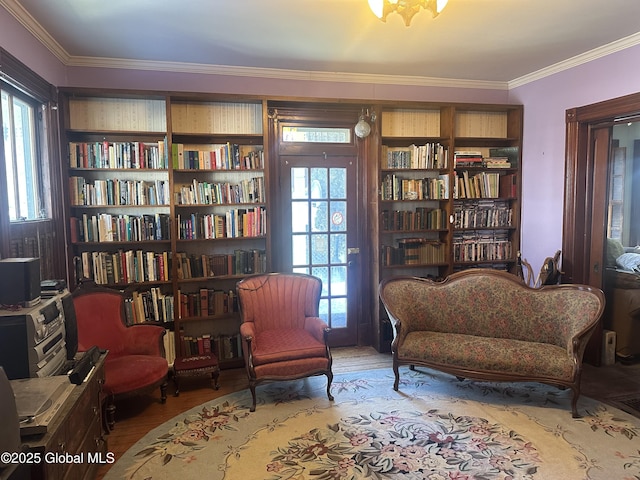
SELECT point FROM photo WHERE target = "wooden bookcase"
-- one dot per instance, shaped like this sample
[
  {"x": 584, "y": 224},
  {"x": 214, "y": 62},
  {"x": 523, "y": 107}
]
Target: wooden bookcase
[
  {"x": 449, "y": 192},
  {"x": 167, "y": 200}
]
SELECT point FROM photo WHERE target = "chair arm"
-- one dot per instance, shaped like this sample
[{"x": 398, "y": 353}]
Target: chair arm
[
  {"x": 145, "y": 340},
  {"x": 316, "y": 327}
]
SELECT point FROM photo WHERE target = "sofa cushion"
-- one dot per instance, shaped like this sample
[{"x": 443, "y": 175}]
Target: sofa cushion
[{"x": 496, "y": 355}]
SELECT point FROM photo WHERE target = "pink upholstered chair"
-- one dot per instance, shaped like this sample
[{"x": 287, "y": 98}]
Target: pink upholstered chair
[
  {"x": 283, "y": 337},
  {"x": 136, "y": 360}
]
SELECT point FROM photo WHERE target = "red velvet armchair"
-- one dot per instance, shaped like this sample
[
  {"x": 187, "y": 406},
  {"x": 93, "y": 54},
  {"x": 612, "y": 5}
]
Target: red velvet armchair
[
  {"x": 283, "y": 337},
  {"x": 136, "y": 360}
]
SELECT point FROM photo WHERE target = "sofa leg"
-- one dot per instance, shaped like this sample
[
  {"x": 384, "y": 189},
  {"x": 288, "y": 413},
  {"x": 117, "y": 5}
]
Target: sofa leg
[
  {"x": 574, "y": 404},
  {"x": 396, "y": 383}
]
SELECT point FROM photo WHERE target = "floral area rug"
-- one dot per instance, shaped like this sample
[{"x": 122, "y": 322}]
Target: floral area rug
[{"x": 435, "y": 427}]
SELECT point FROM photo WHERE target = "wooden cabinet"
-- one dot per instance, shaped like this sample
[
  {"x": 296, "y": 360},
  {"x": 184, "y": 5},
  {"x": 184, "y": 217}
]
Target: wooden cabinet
[{"x": 74, "y": 445}]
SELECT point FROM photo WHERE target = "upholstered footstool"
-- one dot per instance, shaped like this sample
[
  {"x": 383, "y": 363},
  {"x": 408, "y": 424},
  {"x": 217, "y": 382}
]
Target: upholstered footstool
[{"x": 195, "y": 367}]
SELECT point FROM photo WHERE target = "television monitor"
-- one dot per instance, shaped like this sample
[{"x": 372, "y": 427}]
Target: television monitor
[{"x": 20, "y": 281}]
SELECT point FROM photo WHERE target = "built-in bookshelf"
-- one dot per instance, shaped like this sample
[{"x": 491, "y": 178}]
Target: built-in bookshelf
[
  {"x": 448, "y": 193},
  {"x": 167, "y": 201}
]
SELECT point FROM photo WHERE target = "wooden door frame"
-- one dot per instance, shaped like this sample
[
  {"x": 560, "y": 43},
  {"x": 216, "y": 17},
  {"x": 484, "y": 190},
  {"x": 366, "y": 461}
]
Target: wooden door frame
[
  {"x": 580, "y": 194},
  {"x": 585, "y": 195},
  {"x": 332, "y": 115}
]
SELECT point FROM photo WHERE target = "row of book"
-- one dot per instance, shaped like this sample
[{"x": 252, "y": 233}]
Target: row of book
[
  {"x": 116, "y": 192},
  {"x": 105, "y": 154},
  {"x": 430, "y": 155},
  {"x": 207, "y": 302},
  {"x": 105, "y": 227},
  {"x": 482, "y": 245},
  {"x": 431, "y": 188},
  {"x": 233, "y": 223},
  {"x": 485, "y": 185},
  {"x": 149, "y": 306},
  {"x": 414, "y": 251},
  {"x": 422, "y": 218},
  {"x": 225, "y": 347},
  {"x": 225, "y": 156},
  {"x": 483, "y": 213},
  {"x": 240, "y": 262},
  {"x": 206, "y": 193},
  {"x": 123, "y": 267}
]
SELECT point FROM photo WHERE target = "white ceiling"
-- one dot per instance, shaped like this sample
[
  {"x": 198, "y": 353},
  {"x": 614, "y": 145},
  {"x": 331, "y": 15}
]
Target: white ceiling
[{"x": 470, "y": 42}]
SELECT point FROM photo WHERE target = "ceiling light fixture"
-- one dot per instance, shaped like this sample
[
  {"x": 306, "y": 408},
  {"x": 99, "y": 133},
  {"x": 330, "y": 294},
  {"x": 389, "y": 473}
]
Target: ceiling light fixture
[{"x": 405, "y": 8}]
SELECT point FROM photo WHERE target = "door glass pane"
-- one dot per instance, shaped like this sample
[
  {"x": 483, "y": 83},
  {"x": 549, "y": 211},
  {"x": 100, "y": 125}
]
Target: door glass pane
[
  {"x": 299, "y": 183},
  {"x": 316, "y": 134},
  {"x": 338, "y": 248},
  {"x": 338, "y": 182},
  {"x": 300, "y": 249},
  {"x": 338, "y": 312},
  {"x": 319, "y": 216},
  {"x": 299, "y": 217},
  {"x": 323, "y": 274},
  {"x": 338, "y": 281},
  {"x": 324, "y": 310},
  {"x": 319, "y": 249},
  {"x": 338, "y": 216},
  {"x": 319, "y": 183}
]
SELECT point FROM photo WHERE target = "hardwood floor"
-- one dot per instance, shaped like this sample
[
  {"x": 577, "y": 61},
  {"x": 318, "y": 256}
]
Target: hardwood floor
[{"x": 136, "y": 416}]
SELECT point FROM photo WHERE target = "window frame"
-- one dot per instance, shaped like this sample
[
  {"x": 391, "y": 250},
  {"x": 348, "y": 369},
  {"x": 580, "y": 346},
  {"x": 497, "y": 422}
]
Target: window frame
[{"x": 39, "y": 161}]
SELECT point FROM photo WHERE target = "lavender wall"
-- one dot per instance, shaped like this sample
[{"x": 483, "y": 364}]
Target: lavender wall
[
  {"x": 545, "y": 103},
  {"x": 20, "y": 43}
]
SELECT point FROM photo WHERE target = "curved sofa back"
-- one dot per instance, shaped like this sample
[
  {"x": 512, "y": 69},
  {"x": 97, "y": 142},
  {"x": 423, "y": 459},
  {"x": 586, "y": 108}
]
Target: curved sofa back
[{"x": 492, "y": 303}]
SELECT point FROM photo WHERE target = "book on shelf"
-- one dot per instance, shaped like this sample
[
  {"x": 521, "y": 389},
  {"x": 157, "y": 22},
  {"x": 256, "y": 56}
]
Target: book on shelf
[
  {"x": 414, "y": 251},
  {"x": 105, "y": 227},
  {"x": 234, "y": 223},
  {"x": 428, "y": 156},
  {"x": 149, "y": 306},
  {"x": 395, "y": 187},
  {"x": 483, "y": 213},
  {"x": 206, "y": 302},
  {"x": 114, "y": 192},
  {"x": 223, "y": 346},
  {"x": 123, "y": 267},
  {"x": 225, "y": 156},
  {"x": 119, "y": 155},
  {"x": 422, "y": 218},
  {"x": 482, "y": 246},
  {"x": 251, "y": 190},
  {"x": 511, "y": 153},
  {"x": 467, "y": 158},
  {"x": 240, "y": 262}
]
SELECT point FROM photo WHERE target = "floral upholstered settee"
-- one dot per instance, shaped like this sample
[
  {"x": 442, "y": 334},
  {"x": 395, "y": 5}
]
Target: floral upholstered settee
[{"x": 488, "y": 325}]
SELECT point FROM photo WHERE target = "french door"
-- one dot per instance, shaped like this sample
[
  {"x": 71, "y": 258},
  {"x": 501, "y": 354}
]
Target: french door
[
  {"x": 323, "y": 241},
  {"x": 316, "y": 217}
]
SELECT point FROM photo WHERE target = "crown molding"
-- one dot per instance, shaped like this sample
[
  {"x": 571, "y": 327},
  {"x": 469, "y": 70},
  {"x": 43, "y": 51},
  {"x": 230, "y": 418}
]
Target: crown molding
[
  {"x": 30, "y": 23},
  {"x": 581, "y": 59},
  {"x": 281, "y": 74}
]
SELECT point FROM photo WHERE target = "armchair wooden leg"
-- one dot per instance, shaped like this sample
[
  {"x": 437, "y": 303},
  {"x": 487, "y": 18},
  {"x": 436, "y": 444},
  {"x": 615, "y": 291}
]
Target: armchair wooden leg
[
  {"x": 252, "y": 387},
  {"x": 329, "y": 380},
  {"x": 214, "y": 378},
  {"x": 163, "y": 392}
]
